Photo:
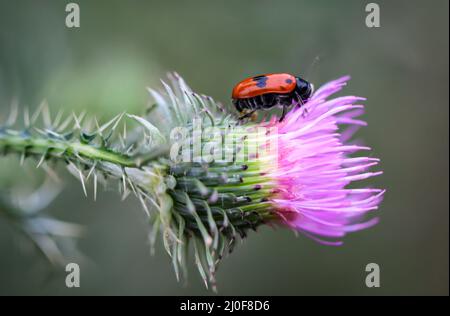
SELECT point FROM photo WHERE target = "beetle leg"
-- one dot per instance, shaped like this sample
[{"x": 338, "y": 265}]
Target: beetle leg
[
  {"x": 246, "y": 115},
  {"x": 262, "y": 100},
  {"x": 301, "y": 104},
  {"x": 305, "y": 109},
  {"x": 283, "y": 114},
  {"x": 256, "y": 106},
  {"x": 299, "y": 99}
]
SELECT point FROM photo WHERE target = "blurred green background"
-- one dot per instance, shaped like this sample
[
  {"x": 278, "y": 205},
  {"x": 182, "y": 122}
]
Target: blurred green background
[{"x": 124, "y": 46}]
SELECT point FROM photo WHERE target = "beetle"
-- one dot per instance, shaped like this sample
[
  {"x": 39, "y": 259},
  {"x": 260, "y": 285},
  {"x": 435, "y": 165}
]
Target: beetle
[{"x": 266, "y": 91}]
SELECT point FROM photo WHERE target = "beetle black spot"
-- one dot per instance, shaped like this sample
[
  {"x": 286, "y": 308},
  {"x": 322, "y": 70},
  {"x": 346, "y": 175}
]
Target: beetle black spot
[
  {"x": 288, "y": 81},
  {"x": 261, "y": 81}
]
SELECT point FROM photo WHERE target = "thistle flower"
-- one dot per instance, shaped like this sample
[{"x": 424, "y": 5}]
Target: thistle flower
[
  {"x": 206, "y": 178},
  {"x": 315, "y": 168}
]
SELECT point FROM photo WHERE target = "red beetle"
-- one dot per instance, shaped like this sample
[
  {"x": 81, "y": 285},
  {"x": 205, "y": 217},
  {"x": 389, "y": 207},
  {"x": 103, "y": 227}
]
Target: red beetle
[{"x": 266, "y": 91}]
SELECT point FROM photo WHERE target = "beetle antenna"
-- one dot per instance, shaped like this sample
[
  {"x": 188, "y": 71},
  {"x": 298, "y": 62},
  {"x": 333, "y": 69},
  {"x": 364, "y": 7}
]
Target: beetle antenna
[{"x": 312, "y": 67}]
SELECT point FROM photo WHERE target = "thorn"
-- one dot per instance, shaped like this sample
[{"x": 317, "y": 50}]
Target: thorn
[
  {"x": 90, "y": 171},
  {"x": 144, "y": 205},
  {"x": 77, "y": 123},
  {"x": 128, "y": 151},
  {"x": 95, "y": 186},
  {"x": 43, "y": 133},
  {"x": 125, "y": 195},
  {"x": 41, "y": 160},
  {"x": 107, "y": 137},
  {"x": 54, "y": 134},
  {"x": 122, "y": 142},
  {"x": 26, "y": 117},
  {"x": 36, "y": 113},
  {"x": 99, "y": 131},
  {"x": 80, "y": 174},
  {"x": 106, "y": 125},
  {"x": 150, "y": 199},
  {"x": 64, "y": 124},
  {"x": 78, "y": 119},
  {"x": 82, "y": 183},
  {"x": 14, "y": 112},
  {"x": 22, "y": 158},
  {"x": 117, "y": 121},
  {"x": 132, "y": 186},
  {"x": 46, "y": 115},
  {"x": 124, "y": 131},
  {"x": 124, "y": 183},
  {"x": 58, "y": 118},
  {"x": 83, "y": 160}
]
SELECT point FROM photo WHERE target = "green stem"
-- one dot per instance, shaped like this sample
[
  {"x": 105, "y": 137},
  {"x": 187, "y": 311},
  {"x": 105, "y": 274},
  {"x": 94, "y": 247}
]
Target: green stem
[{"x": 12, "y": 141}]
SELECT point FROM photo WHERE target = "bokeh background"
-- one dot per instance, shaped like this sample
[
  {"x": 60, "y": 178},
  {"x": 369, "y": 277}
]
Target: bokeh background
[{"x": 124, "y": 46}]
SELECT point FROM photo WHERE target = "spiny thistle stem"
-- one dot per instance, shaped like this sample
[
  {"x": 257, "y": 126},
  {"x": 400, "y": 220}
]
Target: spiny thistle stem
[{"x": 26, "y": 144}]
